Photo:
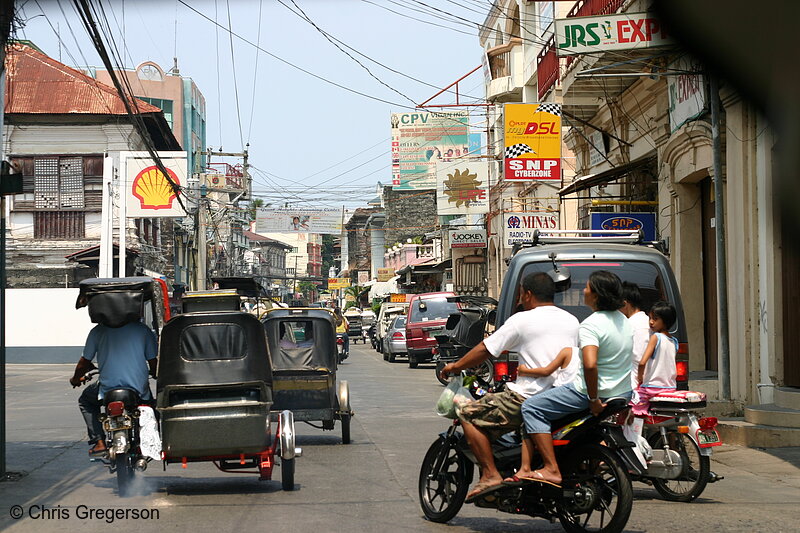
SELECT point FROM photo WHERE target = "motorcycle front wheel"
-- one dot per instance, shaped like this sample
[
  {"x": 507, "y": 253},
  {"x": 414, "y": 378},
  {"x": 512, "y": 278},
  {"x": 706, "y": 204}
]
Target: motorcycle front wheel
[
  {"x": 696, "y": 468},
  {"x": 603, "y": 494},
  {"x": 441, "y": 496},
  {"x": 123, "y": 463}
]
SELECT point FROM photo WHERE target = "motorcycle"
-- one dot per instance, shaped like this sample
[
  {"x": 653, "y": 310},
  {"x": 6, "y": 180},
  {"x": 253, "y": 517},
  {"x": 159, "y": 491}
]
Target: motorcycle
[
  {"x": 464, "y": 330},
  {"x": 340, "y": 349},
  {"x": 120, "y": 419},
  {"x": 592, "y": 453},
  {"x": 676, "y": 455}
]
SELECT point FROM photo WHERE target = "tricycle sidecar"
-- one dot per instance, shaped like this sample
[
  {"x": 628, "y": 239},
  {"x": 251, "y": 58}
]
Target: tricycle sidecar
[
  {"x": 302, "y": 342},
  {"x": 215, "y": 393}
]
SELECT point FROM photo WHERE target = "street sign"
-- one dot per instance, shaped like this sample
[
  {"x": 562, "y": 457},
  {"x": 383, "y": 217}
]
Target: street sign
[
  {"x": 338, "y": 283},
  {"x": 475, "y": 238},
  {"x": 397, "y": 298},
  {"x": 519, "y": 227},
  {"x": 582, "y": 35},
  {"x": 532, "y": 145}
]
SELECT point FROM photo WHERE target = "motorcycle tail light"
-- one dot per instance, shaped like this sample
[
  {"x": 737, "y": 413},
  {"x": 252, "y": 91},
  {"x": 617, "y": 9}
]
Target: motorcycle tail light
[
  {"x": 339, "y": 340},
  {"x": 115, "y": 408},
  {"x": 682, "y": 371},
  {"x": 683, "y": 429},
  {"x": 708, "y": 422}
]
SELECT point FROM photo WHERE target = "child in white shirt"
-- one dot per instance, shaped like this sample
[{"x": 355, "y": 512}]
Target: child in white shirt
[{"x": 657, "y": 372}]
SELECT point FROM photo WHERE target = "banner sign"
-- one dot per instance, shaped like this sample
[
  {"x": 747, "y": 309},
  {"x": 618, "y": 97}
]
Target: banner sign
[
  {"x": 581, "y": 35},
  {"x": 475, "y": 238},
  {"x": 148, "y": 193},
  {"x": 627, "y": 221},
  {"x": 519, "y": 227},
  {"x": 532, "y": 142},
  {"x": 687, "y": 93},
  {"x": 338, "y": 283},
  {"x": 420, "y": 140},
  {"x": 385, "y": 274},
  {"x": 462, "y": 188},
  {"x": 328, "y": 221}
]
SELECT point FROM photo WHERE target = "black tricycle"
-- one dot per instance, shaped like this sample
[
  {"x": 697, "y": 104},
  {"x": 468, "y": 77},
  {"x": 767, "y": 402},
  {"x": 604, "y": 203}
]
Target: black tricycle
[{"x": 303, "y": 345}]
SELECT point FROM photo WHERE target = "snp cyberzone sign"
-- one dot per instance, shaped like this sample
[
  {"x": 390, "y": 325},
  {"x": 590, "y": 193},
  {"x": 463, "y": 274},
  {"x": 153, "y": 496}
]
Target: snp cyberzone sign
[
  {"x": 581, "y": 35},
  {"x": 532, "y": 142},
  {"x": 519, "y": 227},
  {"x": 468, "y": 239}
]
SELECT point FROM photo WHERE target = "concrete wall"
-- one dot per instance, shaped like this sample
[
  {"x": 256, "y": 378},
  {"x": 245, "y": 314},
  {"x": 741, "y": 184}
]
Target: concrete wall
[
  {"x": 409, "y": 214},
  {"x": 43, "y": 326}
]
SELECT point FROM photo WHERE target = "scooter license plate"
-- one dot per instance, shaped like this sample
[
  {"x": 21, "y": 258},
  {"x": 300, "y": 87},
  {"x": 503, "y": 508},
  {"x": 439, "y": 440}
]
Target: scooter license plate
[{"x": 709, "y": 436}]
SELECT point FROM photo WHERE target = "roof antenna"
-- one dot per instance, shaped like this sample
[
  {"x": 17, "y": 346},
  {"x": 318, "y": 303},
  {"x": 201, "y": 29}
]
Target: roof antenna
[{"x": 175, "y": 70}]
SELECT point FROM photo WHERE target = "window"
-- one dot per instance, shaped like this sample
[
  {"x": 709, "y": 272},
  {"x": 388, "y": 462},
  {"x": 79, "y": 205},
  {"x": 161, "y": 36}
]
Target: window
[
  {"x": 162, "y": 104},
  {"x": 545, "y": 17},
  {"x": 59, "y": 225},
  {"x": 58, "y": 183}
]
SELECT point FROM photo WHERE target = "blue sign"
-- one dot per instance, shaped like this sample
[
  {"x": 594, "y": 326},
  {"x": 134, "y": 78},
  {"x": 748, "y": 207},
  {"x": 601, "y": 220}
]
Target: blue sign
[
  {"x": 627, "y": 221},
  {"x": 474, "y": 144}
]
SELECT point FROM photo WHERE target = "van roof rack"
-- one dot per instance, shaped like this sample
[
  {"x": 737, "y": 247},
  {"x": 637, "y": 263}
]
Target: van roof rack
[{"x": 572, "y": 236}]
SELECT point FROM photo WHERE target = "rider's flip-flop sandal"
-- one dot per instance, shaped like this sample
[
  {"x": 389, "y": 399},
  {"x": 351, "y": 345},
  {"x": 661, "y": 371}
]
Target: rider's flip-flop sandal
[
  {"x": 518, "y": 481},
  {"x": 485, "y": 489}
]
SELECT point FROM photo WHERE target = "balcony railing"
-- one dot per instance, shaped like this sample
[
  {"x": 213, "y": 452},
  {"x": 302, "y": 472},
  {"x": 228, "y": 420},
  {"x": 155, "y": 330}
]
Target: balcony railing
[
  {"x": 500, "y": 58},
  {"x": 587, "y": 8},
  {"x": 547, "y": 67}
]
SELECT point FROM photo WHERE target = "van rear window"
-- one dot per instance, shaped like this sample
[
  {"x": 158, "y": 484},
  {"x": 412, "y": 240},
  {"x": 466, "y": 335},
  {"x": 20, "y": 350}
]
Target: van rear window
[
  {"x": 431, "y": 309},
  {"x": 645, "y": 275}
]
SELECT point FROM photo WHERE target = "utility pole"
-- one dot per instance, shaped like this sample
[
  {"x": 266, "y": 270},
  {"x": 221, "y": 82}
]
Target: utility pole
[
  {"x": 246, "y": 194},
  {"x": 200, "y": 239}
]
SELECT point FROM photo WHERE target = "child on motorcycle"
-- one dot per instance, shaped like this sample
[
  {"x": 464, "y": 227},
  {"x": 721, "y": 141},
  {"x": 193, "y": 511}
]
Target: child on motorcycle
[{"x": 656, "y": 372}]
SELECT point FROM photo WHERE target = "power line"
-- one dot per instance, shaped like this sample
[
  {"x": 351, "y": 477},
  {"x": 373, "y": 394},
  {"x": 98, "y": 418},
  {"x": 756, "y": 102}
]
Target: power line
[
  {"x": 235, "y": 82},
  {"x": 255, "y": 74}
]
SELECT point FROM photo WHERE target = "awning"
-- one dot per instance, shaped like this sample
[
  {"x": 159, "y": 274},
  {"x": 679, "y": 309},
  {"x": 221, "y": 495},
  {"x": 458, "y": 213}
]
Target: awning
[
  {"x": 607, "y": 176},
  {"x": 428, "y": 267}
]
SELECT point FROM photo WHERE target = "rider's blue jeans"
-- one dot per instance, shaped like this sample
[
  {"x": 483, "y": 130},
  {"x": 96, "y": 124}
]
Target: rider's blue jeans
[
  {"x": 89, "y": 405},
  {"x": 541, "y": 409}
]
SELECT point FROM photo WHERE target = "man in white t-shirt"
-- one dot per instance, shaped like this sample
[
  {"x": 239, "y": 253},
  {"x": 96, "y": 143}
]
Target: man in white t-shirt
[
  {"x": 537, "y": 334},
  {"x": 639, "y": 321}
]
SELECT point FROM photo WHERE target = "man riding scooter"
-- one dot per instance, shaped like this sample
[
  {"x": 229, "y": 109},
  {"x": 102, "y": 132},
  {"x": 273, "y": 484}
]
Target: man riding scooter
[{"x": 124, "y": 356}]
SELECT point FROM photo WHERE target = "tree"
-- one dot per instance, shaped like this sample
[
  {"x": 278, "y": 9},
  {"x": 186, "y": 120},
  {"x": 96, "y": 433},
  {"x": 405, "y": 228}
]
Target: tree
[
  {"x": 354, "y": 291},
  {"x": 307, "y": 288},
  {"x": 255, "y": 203}
]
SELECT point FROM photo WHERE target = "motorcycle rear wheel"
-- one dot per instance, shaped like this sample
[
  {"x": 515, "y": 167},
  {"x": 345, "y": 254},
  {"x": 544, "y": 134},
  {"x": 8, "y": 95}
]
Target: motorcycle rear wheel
[
  {"x": 608, "y": 495},
  {"x": 124, "y": 467},
  {"x": 442, "y": 497},
  {"x": 697, "y": 469}
]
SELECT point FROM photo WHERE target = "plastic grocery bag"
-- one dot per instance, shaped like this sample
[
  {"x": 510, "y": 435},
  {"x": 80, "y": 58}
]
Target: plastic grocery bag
[{"x": 453, "y": 396}]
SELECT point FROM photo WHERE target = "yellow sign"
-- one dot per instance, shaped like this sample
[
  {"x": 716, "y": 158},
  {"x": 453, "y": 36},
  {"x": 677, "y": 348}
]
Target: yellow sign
[
  {"x": 532, "y": 142},
  {"x": 338, "y": 283},
  {"x": 349, "y": 298},
  {"x": 385, "y": 274},
  {"x": 399, "y": 298}
]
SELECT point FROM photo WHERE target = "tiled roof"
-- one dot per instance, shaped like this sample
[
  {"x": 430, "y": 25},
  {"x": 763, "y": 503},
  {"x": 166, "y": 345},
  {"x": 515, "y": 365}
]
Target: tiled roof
[
  {"x": 38, "y": 84},
  {"x": 255, "y": 237}
]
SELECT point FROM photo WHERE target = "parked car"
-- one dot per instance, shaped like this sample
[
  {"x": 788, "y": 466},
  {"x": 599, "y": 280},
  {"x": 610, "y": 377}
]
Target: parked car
[
  {"x": 387, "y": 312},
  {"x": 573, "y": 258},
  {"x": 394, "y": 343},
  {"x": 427, "y": 316}
]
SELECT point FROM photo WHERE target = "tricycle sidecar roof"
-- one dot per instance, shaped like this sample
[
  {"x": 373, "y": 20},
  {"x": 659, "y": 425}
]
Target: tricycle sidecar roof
[
  {"x": 319, "y": 352},
  {"x": 117, "y": 301},
  {"x": 213, "y": 348},
  {"x": 245, "y": 286}
]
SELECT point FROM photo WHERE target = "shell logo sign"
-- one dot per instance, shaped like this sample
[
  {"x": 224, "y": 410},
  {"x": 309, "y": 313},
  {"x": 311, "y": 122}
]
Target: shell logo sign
[
  {"x": 148, "y": 192},
  {"x": 153, "y": 190}
]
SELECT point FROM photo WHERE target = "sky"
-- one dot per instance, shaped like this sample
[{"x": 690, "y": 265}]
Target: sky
[{"x": 312, "y": 144}]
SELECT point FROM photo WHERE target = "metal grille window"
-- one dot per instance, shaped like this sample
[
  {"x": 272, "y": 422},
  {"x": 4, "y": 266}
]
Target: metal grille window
[{"x": 58, "y": 183}]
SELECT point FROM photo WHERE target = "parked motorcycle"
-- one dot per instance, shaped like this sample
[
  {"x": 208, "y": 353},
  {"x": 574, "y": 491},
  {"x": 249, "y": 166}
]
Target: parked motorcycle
[
  {"x": 464, "y": 330},
  {"x": 592, "y": 453},
  {"x": 678, "y": 464},
  {"x": 340, "y": 349},
  {"x": 120, "y": 418}
]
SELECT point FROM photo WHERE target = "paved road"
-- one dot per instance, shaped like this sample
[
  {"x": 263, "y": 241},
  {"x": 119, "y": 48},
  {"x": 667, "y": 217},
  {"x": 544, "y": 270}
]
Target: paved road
[{"x": 369, "y": 485}]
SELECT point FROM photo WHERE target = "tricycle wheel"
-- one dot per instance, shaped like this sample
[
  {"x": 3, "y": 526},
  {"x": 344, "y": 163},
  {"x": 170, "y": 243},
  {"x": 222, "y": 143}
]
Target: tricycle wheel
[
  {"x": 287, "y": 474},
  {"x": 346, "y": 429}
]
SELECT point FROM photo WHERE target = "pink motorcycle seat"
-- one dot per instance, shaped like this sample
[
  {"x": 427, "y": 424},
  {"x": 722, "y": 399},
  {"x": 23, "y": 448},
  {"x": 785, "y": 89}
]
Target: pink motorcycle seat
[{"x": 685, "y": 399}]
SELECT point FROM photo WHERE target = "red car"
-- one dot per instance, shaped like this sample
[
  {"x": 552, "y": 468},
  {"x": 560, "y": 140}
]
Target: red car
[{"x": 427, "y": 315}]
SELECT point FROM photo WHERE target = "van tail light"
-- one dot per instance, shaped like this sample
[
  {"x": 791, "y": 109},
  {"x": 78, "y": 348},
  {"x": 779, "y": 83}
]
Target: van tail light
[
  {"x": 505, "y": 370},
  {"x": 415, "y": 333},
  {"x": 115, "y": 408},
  {"x": 398, "y": 336},
  {"x": 682, "y": 368},
  {"x": 708, "y": 423}
]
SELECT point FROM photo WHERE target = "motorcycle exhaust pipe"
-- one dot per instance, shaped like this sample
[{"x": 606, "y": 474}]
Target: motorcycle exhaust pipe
[{"x": 140, "y": 465}]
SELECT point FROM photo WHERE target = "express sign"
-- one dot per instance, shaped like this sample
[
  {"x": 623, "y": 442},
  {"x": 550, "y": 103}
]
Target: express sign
[
  {"x": 580, "y": 35},
  {"x": 468, "y": 238}
]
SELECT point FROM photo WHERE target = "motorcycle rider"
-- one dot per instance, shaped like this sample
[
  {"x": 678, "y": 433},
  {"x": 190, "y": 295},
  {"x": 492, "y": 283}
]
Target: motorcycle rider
[
  {"x": 342, "y": 325},
  {"x": 538, "y": 334},
  {"x": 124, "y": 356}
]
